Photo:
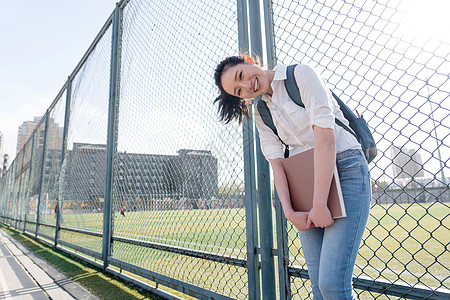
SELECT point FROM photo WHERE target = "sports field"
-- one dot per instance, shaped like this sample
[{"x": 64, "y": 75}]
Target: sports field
[{"x": 405, "y": 243}]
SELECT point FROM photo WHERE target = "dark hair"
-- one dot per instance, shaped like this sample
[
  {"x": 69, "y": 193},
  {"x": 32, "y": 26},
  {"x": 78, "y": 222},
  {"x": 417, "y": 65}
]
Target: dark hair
[{"x": 230, "y": 107}]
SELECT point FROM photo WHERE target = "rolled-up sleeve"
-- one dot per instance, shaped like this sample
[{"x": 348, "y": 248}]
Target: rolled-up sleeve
[
  {"x": 271, "y": 146},
  {"x": 316, "y": 97}
]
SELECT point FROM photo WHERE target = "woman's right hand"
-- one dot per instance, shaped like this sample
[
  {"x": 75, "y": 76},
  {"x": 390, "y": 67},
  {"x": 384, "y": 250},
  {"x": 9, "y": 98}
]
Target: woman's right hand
[{"x": 299, "y": 219}]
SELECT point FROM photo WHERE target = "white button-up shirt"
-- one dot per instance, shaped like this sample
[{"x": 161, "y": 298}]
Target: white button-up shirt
[{"x": 295, "y": 123}]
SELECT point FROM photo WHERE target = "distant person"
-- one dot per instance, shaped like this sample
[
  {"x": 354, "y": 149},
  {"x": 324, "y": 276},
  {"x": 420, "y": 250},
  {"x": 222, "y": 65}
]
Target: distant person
[
  {"x": 122, "y": 211},
  {"x": 60, "y": 212},
  {"x": 330, "y": 246}
]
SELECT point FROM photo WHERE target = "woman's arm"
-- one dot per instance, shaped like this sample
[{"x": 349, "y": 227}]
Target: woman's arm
[
  {"x": 319, "y": 111},
  {"x": 272, "y": 147},
  {"x": 298, "y": 219},
  {"x": 324, "y": 164}
]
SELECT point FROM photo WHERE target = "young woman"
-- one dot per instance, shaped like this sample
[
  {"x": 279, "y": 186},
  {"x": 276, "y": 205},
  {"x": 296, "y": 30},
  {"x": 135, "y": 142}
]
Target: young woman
[{"x": 330, "y": 246}]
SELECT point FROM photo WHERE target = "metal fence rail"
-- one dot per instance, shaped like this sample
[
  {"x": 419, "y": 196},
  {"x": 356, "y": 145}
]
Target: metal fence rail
[{"x": 129, "y": 169}]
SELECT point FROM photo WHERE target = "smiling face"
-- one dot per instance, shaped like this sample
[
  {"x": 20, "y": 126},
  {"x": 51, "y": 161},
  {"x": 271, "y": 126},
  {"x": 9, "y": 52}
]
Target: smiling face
[{"x": 246, "y": 81}]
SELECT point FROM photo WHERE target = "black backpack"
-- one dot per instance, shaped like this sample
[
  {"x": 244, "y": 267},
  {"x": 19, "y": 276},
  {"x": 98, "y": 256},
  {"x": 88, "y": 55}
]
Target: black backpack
[{"x": 358, "y": 126}]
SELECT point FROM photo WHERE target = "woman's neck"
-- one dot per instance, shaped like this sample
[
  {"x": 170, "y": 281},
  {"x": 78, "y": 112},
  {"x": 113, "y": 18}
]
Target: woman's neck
[{"x": 269, "y": 74}]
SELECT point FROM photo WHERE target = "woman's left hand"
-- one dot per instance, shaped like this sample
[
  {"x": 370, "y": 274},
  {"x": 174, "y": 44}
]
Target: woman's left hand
[
  {"x": 299, "y": 219},
  {"x": 320, "y": 216}
]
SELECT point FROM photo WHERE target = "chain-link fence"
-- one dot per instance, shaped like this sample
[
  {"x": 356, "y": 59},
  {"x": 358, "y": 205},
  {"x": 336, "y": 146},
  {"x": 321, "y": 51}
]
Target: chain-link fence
[
  {"x": 82, "y": 183},
  {"x": 390, "y": 69},
  {"x": 129, "y": 168},
  {"x": 177, "y": 171},
  {"x": 51, "y": 166}
]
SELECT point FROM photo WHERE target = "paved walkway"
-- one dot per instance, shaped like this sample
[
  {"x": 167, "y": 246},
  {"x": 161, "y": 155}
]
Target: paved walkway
[{"x": 23, "y": 275}]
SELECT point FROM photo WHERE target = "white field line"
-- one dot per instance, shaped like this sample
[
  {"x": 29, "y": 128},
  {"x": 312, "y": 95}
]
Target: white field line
[
  {"x": 236, "y": 252},
  {"x": 229, "y": 251},
  {"x": 385, "y": 272}
]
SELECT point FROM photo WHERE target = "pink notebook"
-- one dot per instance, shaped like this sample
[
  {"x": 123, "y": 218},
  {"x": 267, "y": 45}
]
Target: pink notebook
[{"x": 299, "y": 171}]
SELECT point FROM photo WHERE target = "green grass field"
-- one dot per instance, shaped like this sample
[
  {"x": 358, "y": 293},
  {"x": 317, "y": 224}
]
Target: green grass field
[
  {"x": 405, "y": 243},
  {"x": 104, "y": 286}
]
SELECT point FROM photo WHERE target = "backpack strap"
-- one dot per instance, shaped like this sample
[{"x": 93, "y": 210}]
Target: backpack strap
[
  {"x": 294, "y": 93},
  {"x": 292, "y": 87},
  {"x": 348, "y": 114},
  {"x": 266, "y": 116}
]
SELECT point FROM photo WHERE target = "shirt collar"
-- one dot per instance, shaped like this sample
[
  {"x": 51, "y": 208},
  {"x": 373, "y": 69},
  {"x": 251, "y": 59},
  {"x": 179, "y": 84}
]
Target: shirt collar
[{"x": 280, "y": 74}]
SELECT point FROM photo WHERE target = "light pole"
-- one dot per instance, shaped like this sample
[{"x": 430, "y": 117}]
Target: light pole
[{"x": 435, "y": 133}]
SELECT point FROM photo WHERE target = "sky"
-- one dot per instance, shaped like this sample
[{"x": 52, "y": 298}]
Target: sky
[
  {"x": 42, "y": 42},
  {"x": 382, "y": 71}
]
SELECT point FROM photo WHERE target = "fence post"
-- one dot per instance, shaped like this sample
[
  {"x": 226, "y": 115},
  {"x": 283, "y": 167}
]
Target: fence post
[
  {"x": 2, "y": 197},
  {"x": 113, "y": 101},
  {"x": 282, "y": 251},
  {"x": 42, "y": 172},
  {"x": 254, "y": 285},
  {"x": 18, "y": 190},
  {"x": 281, "y": 224},
  {"x": 2, "y": 192},
  {"x": 11, "y": 192},
  {"x": 264, "y": 193},
  {"x": 63, "y": 153},
  {"x": 29, "y": 183}
]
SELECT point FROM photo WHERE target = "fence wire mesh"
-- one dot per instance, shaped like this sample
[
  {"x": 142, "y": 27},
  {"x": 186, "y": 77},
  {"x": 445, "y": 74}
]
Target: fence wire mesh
[
  {"x": 377, "y": 58},
  {"x": 37, "y": 147},
  {"x": 7, "y": 184},
  {"x": 22, "y": 176},
  {"x": 15, "y": 189},
  {"x": 178, "y": 174},
  {"x": 177, "y": 171},
  {"x": 51, "y": 166},
  {"x": 83, "y": 171},
  {"x": 31, "y": 197}
]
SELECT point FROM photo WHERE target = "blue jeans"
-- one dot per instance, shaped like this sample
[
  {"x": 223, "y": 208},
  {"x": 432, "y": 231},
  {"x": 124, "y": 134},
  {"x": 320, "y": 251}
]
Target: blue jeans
[{"x": 330, "y": 252}]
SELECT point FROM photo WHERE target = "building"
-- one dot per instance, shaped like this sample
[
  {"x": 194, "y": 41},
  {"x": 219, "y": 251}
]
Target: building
[
  {"x": 157, "y": 176},
  {"x": 85, "y": 169},
  {"x": 50, "y": 174},
  {"x": 4, "y": 165},
  {"x": 407, "y": 163},
  {"x": 54, "y": 134},
  {"x": 25, "y": 131},
  {"x": 192, "y": 174},
  {"x": 199, "y": 169}
]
